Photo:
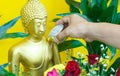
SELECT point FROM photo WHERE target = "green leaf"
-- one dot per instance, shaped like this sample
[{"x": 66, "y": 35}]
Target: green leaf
[
  {"x": 55, "y": 19},
  {"x": 4, "y": 72},
  {"x": 74, "y": 3},
  {"x": 99, "y": 2},
  {"x": 84, "y": 7},
  {"x": 94, "y": 13},
  {"x": 69, "y": 44},
  {"x": 67, "y": 14},
  {"x": 14, "y": 35},
  {"x": 94, "y": 2},
  {"x": 104, "y": 4},
  {"x": 74, "y": 58},
  {"x": 112, "y": 50},
  {"x": 74, "y": 6},
  {"x": 73, "y": 9},
  {"x": 115, "y": 65},
  {"x": 94, "y": 47},
  {"x": 118, "y": 19},
  {"x": 115, "y": 4},
  {"x": 8, "y": 25},
  {"x": 106, "y": 15},
  {"x": 9, "y": 74},
  {"x": 4, "y": 65}
]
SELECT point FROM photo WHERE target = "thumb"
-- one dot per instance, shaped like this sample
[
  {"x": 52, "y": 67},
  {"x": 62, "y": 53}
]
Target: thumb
[{"x": 62, "y": 35}]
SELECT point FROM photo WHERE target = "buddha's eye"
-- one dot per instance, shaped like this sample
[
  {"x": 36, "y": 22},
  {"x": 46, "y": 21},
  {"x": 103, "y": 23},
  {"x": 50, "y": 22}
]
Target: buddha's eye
[{"x": 38, "y": 24}]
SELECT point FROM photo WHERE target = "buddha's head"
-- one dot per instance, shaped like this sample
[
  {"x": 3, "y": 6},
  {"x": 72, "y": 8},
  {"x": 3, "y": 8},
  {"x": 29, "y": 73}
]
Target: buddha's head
[{"x": 34, "y": 16}]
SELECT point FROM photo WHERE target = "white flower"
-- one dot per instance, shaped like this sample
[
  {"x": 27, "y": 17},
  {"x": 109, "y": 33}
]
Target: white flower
[
  {"x": 78, "y": 53},
  {"x": 97, "y": 58},
  {"x": 107, "y": 57},
  {"x": 85, "y": 62},
  {"x": 92, "y": 71},
  {"x": 91, "y": 65},
  {"x": 104, "y": 54},
  {"x": 82, "y": 55},
  {"x": 104, "y": 65},
  {"x": 88, "y": 74},
  {"x": 98, "y": 20},
  {"x": 111, "y": 75},
  {"x": 102, "y": 48},
  {"x": 101, "y": 45},
  {"x": 105, "y": 70},
  {"x": 113, "y": 69},
  {"x": 67, "y": 50},
  {"x": 76, "y": 60}
]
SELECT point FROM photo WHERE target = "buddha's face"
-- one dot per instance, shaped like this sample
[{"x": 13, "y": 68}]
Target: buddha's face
[{"x": 37, "y": 27}]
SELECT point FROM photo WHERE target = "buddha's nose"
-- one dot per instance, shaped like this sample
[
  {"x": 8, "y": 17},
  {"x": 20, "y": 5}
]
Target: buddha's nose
[{"x": 42, "y": 28}]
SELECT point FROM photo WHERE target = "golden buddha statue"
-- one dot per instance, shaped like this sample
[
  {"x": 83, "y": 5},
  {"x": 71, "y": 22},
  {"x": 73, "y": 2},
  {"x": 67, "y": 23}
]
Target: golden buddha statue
[{"x": 36, "y": 53}]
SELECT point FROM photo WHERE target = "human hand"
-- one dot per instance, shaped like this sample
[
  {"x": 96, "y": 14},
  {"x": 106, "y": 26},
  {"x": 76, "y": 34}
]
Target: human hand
[{"x": 74, "y": 26}]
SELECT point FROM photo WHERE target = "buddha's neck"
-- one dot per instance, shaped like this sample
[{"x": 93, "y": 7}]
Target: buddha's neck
[{"x": 36, "y": 39}]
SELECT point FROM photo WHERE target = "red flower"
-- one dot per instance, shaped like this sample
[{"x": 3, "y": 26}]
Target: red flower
[
  {"x": 72, "y": 69},
  {"x": 93, "y": 58},
  {"x": 118, "y": 72}
]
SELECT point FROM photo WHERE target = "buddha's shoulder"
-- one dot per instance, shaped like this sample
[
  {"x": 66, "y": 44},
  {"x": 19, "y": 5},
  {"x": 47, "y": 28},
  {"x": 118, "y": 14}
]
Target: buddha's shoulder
[
  {"x": 15, "y": 48},
  {"x": 50, "y": 40},
  {"x": 18, "y": 46}
]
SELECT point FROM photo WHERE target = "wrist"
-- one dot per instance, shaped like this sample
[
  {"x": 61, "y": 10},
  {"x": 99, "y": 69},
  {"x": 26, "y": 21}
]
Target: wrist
[{"x": 89, "y": 31}]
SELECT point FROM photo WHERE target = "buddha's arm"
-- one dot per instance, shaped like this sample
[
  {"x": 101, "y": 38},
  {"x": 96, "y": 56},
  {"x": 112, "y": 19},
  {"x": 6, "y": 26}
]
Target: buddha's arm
[
  {"x": 14, "y": 58},
  {"x": 56, "y": 56}
]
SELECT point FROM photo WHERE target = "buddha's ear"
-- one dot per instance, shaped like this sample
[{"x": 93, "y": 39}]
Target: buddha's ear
[{"x": 26, "y": 30}]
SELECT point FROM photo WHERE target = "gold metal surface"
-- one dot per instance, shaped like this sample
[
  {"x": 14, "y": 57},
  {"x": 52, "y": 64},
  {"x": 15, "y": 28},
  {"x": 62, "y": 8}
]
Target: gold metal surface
[{"x": 36, "y": 52}]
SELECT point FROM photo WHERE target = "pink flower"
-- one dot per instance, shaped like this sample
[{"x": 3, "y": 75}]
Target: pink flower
[
  {"x": 93, "y": 58},
  {"x": 118, "y": 72},
  {"x": 53, "y": 73}
]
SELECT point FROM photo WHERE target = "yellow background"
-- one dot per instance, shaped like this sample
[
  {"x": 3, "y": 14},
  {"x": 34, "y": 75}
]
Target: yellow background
[{"x": 10, "y": 9}]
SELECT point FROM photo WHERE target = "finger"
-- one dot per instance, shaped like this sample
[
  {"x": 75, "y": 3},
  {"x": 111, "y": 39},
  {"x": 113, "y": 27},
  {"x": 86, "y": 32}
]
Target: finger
[
  {"x": 62, "y": 35},
  {"x": 63, "y": 20}
]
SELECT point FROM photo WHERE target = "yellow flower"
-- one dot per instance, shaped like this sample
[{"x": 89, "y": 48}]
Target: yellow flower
[
  {"x": 96, "y": 68},
  {"x": 104, "y": 61},
  {"x": 83, "y": 73},
  {"x": 77, "y": 0}
]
